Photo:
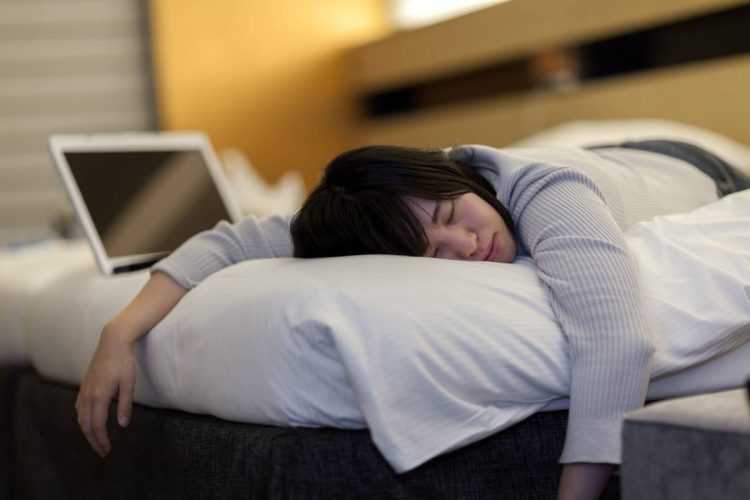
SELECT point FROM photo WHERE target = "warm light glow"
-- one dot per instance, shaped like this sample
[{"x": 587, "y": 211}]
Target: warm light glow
[{"x": 406, "y": 14}]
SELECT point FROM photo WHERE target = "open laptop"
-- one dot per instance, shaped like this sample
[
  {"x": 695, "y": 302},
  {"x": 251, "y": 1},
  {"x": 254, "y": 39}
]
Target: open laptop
[{"x": 139, "y": 196}]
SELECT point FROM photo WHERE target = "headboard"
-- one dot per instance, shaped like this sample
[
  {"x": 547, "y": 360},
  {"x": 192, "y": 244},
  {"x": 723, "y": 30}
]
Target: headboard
[{"x": 502, "y": 73}]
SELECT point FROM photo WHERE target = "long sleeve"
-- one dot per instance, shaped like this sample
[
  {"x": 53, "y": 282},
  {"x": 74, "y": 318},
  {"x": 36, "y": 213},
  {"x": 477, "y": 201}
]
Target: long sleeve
[
  {"x": 594, "y": 289},
  {"x": 565, "y": 222},
  {"x": 227, "y": 244}
]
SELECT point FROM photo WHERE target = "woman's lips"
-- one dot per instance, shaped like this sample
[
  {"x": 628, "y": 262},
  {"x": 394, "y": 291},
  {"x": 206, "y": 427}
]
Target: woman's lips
[{"x": 492, "y": 252}]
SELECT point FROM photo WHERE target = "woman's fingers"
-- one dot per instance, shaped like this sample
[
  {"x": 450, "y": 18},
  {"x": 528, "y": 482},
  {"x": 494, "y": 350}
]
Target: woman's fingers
[
  {"x": 98, "y": 389},
  {"x": 83, "y": 410},
  {"x": 125, "y": 403},
  {"x": 111, "y": 373},
  {"x": 85, "y": 407},
  {"x": 99, "y": 412}
]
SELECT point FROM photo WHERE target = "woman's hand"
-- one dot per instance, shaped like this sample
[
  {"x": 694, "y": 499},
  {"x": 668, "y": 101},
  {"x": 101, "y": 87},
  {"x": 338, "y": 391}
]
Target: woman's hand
[
  {"x": 583, "y": 481},
  {"x": 111, "y": 371}
]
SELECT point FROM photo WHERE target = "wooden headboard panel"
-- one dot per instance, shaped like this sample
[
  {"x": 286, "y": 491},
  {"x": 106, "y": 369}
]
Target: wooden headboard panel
[{"x": 428, "y": 74}]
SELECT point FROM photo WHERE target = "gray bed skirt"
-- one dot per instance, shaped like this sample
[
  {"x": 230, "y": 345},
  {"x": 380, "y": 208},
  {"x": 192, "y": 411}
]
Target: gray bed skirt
[{"x": 171, "y": 454}]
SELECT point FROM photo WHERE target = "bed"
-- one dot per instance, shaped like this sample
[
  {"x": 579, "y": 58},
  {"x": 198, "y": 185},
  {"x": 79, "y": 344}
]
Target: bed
[
  {"x": 216, "y": 419},
  {"x": 191, "y": 441},
  {"x": 175, "y": 454}
]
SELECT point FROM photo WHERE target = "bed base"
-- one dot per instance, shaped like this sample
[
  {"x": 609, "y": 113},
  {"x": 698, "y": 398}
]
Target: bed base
[{"x": 171, "y": 454}]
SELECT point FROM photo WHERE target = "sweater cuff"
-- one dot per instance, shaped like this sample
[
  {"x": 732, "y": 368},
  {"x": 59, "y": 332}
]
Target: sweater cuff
[
  {"x": 165, "y": 266},
  {"x": 593, "y": 440}
]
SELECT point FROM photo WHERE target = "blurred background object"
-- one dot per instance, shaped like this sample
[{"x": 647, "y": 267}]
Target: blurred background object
[
  {"x": 555, "y": 69},
  {"x": 65, "y": 66},
  {"x": 410, "y": 14},
  {"x": 255, "y": 195}
]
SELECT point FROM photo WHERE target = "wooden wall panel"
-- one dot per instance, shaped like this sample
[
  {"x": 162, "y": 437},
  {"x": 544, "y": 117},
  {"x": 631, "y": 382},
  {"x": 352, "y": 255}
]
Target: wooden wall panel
[
  {"x": 509, "y": 30},
  {"x": 268, "y": 78},
  {"x": 712, "y": 95}
]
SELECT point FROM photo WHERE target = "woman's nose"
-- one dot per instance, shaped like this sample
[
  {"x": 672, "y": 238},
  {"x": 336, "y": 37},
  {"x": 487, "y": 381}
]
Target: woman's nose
[{"x": 462, "y": 243}]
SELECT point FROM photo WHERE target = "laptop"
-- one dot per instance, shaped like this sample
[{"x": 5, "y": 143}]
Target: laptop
[{"x": 140, "y": 196}]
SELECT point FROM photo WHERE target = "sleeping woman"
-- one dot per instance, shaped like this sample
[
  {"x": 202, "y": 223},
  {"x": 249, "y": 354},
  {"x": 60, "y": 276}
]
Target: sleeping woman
[{"x": 565, "y": 208}]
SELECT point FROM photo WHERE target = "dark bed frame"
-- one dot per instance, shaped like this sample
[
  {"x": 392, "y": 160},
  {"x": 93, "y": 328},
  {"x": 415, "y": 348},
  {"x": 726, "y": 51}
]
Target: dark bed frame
[{"x": 172, "y": 454}]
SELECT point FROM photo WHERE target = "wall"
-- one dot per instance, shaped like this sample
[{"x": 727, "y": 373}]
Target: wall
[{"x": 268, "y": 78}]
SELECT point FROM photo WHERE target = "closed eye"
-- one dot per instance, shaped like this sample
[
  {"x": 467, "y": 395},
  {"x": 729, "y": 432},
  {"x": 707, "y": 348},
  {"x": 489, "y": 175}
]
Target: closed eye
[
  {"x": 437, "y": 215},
  {"x": 452, "y": 214},
  {"x": 439, "y": 212}
]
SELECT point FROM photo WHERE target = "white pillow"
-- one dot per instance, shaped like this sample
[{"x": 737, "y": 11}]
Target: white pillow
[{"x": 429, "y": 354}]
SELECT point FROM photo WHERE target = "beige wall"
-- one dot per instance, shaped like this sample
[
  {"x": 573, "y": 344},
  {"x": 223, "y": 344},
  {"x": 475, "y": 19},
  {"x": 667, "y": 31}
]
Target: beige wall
[{"x": 269, "y": 78}]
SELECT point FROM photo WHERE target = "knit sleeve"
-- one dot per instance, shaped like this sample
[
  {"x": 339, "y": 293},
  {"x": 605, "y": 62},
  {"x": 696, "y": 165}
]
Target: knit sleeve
[
  {"x": 224, "y": 245},
  {"x": 593, "y": 282}
]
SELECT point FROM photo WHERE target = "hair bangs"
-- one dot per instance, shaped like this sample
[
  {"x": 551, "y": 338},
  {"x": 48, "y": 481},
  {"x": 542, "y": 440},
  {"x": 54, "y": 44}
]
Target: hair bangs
[{"x": 390, "y": 225}]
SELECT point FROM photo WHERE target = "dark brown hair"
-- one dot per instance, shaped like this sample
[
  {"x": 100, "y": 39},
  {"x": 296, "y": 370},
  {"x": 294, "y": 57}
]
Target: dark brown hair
[{"x": 360, "y": 205}]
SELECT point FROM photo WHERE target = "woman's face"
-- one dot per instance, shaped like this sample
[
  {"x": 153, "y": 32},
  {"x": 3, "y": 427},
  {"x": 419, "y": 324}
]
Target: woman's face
[{"x": 465, "y": 228}]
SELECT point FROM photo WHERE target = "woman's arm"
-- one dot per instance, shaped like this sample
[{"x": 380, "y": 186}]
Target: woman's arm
[
  {"x": 227, "y": 244},
  {"x": 594, "y": 286},
  {"x": 111, "y": 371}
]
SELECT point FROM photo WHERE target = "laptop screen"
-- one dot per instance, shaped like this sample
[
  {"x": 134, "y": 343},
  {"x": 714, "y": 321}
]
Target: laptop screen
[{"x": 144, "y": 202}]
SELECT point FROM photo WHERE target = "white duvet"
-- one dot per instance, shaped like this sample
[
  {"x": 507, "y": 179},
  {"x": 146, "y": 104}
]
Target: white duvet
[{"x": 430, "y": 354}]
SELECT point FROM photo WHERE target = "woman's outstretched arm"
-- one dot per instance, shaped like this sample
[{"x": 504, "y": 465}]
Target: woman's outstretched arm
[
  {"x": 111, "y": 371},
  {"x": 594, "y": 287}
]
